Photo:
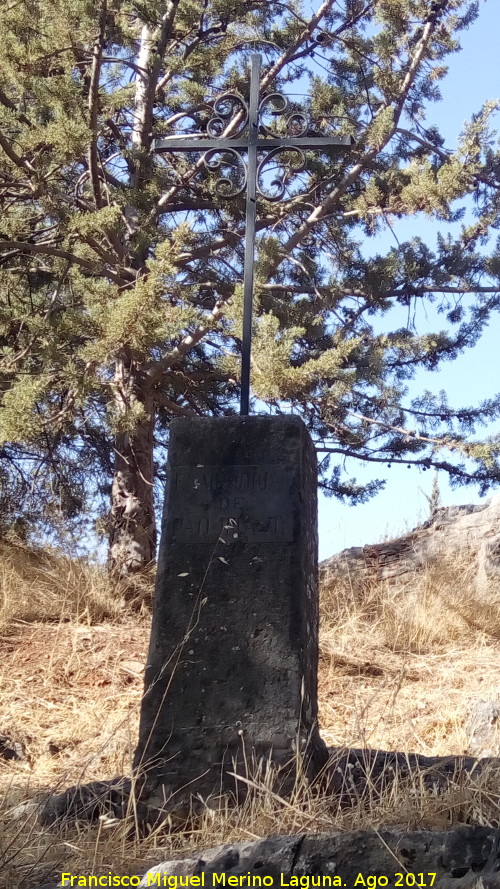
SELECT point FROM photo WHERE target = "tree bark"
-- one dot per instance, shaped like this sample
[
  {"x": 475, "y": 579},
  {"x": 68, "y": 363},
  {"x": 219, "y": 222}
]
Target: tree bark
[{"x": 132, "y": 533}]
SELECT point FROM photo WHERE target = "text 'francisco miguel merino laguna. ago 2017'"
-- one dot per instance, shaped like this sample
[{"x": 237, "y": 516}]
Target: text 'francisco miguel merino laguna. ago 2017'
[{"x": 157, "y": 878}]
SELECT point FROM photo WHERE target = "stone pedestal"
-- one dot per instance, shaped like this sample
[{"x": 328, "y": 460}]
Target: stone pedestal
[{"x": 231, "y": 675}]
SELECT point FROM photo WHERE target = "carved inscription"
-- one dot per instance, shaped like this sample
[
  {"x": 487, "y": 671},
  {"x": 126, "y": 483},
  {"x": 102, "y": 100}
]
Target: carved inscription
[{"x": 247, "y": 503}]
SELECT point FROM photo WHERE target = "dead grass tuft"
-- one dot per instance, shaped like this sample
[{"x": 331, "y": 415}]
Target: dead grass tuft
[
  {"x": 420, "y": 613},
  {"x": 391, "y": 654},
  {"x": 45, "y": 585}
]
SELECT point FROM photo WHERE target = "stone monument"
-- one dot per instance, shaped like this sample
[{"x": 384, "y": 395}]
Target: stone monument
[{"x": 231, "y": 674}]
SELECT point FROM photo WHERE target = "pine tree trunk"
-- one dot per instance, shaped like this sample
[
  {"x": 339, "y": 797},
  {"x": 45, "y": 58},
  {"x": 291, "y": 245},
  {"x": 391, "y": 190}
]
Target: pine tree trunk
[{"x": 132, "y": 537}]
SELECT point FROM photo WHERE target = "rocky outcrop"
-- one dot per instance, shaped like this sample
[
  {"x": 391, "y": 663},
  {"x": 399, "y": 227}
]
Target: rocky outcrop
[
  {"x": 464, "y": 857},
  {"x": 471, "y": 533}
]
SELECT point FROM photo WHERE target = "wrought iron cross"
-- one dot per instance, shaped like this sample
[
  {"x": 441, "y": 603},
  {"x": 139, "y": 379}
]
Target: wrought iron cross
[{"x": 234, "y": 115}]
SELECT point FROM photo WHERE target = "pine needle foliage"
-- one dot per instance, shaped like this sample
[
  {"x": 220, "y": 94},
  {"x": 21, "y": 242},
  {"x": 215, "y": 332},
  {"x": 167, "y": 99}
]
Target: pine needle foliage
[{"x": 120, "y": 293}]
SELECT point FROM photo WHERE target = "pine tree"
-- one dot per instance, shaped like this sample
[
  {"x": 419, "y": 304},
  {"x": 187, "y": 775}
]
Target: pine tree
[{"x": 121, "y": 299}]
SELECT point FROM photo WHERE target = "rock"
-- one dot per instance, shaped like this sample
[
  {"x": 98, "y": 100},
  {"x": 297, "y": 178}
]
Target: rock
[
  {"x": 361, "y": 775},
  {"x": 11, "y": 749},
  {"x": 23, "y": 810},
  {"x": 483, "y": 728},
  {"x": 87, "y": 802},
  {"x": 471, "y": 532},
  {"x": 459, "y": 858},
  {"x": 271, "y": 856}
]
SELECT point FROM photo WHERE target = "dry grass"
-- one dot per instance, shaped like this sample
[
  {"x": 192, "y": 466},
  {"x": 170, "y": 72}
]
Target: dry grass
[
  {"x": 42, "y": 585},
  {"x": 398, "y": 669},
  {"x": 393, "y": 654}
]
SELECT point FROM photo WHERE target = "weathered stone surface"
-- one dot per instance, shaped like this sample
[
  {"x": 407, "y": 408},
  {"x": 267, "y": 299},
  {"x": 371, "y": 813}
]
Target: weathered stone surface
[
  {"x": 10, "y": 749},
  {"x": 362, "y": 775},
  {"x": 231, "y": 673},
  {"x": 463, "y": 857},
  {"x": 271, "y": 856},
  {"x": 470, "y": 532},
  {"x": 86, "y": 802},
  {"x": 483, "y": 728}
]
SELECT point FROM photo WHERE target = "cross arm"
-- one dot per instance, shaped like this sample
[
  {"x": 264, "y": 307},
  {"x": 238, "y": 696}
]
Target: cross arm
[{"x": 196, "y": 144}]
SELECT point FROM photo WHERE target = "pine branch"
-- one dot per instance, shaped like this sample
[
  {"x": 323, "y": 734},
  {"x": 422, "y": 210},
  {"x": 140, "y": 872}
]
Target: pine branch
[
  {"x": 445, "y": 156},
  {"x": 156, "y": 371},
  {"x": 19, "y": 247},
  {"x": 19, "y": 161},
  {"x": 407, "y": 433},
  {"x": 12, "y": 107},
  {"x": 172, "y": 406},
  {"x": 387, "y": 294},
  {"x": 427, "y": 462},
  {"x": 332, "y": 200}
]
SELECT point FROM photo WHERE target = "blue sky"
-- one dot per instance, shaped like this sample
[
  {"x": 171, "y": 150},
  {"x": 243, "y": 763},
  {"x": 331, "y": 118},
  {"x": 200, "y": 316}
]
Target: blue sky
[{"x": 473, "y": 78}]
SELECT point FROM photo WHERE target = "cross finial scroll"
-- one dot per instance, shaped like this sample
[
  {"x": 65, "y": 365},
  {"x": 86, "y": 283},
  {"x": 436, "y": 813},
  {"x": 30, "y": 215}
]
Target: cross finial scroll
[{"x": 246, "y": 137}]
